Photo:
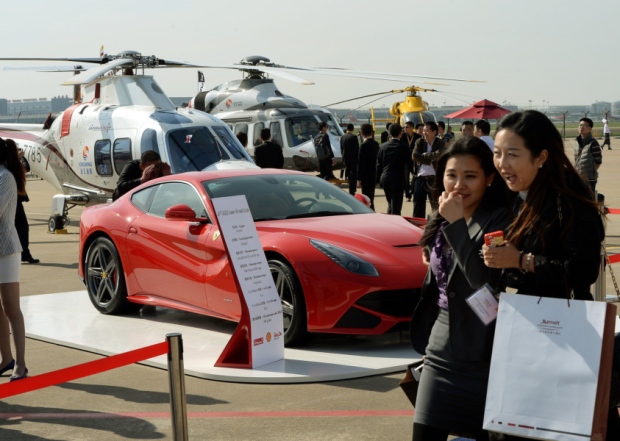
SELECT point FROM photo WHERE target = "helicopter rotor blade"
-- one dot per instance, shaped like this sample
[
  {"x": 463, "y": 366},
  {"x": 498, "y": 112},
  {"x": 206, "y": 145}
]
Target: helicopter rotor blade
[
  {"x": 391, "y": 92},
  {"x": 387, "y": 93},
  {"x": 75, "y": 60},
  {"x": 93, "y": 73},
  {"x": 381, "y": 75},
  {"x": 287, "y": 76},
  {"x": 64, "y": 69},
  {"x": 276, "y": 71}
]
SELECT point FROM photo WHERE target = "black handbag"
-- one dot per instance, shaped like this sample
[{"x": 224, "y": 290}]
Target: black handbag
[{"x": 410, "y": 383}]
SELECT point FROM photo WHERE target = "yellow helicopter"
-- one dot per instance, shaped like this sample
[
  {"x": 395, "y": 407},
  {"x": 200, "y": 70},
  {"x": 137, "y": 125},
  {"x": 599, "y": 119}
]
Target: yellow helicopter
[{"x": 413, "y": 108}]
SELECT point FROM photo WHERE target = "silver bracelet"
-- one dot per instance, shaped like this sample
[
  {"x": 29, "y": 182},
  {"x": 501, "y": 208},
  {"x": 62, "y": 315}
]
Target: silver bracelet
[{"x": 527, "y": 262}]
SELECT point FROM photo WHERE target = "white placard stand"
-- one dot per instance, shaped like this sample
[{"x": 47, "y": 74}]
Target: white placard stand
[{"x": 259, "y": 337}]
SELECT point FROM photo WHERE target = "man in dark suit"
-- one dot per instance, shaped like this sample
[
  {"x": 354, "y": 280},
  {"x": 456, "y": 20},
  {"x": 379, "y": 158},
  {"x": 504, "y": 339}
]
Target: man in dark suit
[
  {"x": 385, "y": 136},
  {"x": 367, "y": 163},
  {"x": 268, "y": 154},
  {"x": 391, "y": 165},
  {"x": 426, "y": 152},
  {"x": 350, "y": 149},
  {"x": 324, "y": 153},
  {"x": 408, "y": 139}
]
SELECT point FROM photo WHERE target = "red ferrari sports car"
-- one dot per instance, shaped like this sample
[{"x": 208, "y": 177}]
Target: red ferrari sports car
[{"x": 338, "y": 266}]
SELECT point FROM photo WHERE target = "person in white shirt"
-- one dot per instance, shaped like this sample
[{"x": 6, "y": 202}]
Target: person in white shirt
[
  {"x": 607, "y": 133},
  {"x": 482, "y": 130},
  {"x": 12, "y": 183}
]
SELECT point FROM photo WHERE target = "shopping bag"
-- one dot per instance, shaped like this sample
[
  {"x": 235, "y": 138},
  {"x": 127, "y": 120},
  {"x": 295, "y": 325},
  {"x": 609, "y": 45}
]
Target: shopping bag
[
  {"x": 410, "y": 383},
  {"x": 551, "y": 368}
]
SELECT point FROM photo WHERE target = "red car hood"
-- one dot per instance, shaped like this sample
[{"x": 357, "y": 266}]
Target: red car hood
[{"x": 388, "y": 229}]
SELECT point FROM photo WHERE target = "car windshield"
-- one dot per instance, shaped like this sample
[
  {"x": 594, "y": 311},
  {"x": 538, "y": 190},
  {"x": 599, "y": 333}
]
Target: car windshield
[
  {"x": 287, "y": 196},
  {"x": 196, "y": 148}
]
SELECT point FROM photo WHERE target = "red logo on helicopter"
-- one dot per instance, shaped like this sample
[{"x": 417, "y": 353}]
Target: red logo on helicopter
[
  {"x": 85, "y": 152},
  {"x": 228, "y": 103}
]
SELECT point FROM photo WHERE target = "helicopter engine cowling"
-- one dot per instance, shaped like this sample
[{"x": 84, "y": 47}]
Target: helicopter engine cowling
[{"x": 205, "y": 101}]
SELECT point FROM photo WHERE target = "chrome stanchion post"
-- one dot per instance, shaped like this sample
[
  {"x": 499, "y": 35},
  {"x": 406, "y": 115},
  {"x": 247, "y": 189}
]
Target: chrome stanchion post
[{"x": 176, "y": 377}]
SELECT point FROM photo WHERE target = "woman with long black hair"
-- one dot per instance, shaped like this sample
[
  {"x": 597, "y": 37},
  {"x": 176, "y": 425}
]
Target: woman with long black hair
[
  {"x": 456, "y": 343},
  {"x": 556, "y": 229}
]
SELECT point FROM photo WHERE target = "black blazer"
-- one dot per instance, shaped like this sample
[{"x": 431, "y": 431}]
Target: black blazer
[
  {"x": 420, "y": 156},
  {"x": 367, "y": 164},
  {"x": 391, "y": 164},
  {"x": 350, "y": 149},
  {"x": 470, "y": 339},
  {"x": 269, "y": 155}
]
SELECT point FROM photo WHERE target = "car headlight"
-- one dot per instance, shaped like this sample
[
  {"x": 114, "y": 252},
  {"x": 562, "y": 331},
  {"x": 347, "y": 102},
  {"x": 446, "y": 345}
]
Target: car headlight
[{"x": 345, "y": 259}]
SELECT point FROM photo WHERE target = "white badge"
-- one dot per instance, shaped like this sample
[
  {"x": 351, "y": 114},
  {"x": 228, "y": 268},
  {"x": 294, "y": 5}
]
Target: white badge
[{"x": 484, "y": 304}]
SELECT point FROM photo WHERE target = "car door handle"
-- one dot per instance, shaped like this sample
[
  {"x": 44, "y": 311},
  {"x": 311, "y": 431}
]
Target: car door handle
[{"x": 132, "y": 230}]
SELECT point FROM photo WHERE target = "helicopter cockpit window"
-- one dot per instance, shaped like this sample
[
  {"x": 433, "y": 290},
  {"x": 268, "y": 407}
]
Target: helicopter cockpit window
[
  {"x": 149, "y": 141},
  {"x": 121, "y": 154},
  {"x": 300, "y": 129},
  {"x": 193, "y": 149},
  {"x": 416, "y": 117},
  {"x": 168, "y": 117},
  {"x": 232, "y": 144},
  {"x": 332, "y": 125},
  {"x": 103, "y": 160}
]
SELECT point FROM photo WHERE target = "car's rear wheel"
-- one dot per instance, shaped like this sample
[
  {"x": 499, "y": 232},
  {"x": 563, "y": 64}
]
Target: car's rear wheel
[
  {"x": 293, "y": 303},
  {"x": 105, "y": 280}
]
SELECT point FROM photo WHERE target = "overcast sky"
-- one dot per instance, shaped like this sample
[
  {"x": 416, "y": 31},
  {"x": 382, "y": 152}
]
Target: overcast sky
[{"x": 549, "y": 52}]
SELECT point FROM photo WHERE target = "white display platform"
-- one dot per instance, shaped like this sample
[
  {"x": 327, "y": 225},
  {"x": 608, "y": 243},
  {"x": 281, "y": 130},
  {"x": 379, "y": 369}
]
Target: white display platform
[{"x": 69, "y": 319}]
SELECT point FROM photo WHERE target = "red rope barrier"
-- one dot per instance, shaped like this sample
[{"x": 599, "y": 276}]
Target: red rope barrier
[
  {"x": 82, "y": 370},
  {"x": 613, "y": 259},
  {"x": 613, "y": 210}
]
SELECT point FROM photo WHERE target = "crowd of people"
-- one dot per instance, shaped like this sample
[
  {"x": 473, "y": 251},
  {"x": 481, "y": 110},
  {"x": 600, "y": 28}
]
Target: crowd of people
[{"x": 521, "y": 183}]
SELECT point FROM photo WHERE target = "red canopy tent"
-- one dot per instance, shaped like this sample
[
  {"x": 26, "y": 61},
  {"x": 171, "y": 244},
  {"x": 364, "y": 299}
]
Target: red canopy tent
[{"x": 483, "y": 109}]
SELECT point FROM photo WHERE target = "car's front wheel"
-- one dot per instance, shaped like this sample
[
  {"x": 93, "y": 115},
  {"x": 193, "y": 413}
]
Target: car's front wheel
[
  {"x": 293, "y": 303},
  {"x": 105, "y": 280}
]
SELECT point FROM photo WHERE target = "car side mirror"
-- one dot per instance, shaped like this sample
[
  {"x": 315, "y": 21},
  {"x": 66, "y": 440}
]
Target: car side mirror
[{"x": 182, "y": 212}]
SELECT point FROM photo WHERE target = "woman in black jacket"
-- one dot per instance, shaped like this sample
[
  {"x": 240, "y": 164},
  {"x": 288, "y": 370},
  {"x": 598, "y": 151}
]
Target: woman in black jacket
[
  {"x": 456, "y": 343},
  {"x": 554, "y": 238}
]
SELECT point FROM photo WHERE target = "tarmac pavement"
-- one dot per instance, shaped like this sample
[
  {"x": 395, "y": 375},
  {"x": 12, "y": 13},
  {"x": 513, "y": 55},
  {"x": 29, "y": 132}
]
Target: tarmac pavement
[{"x": 133, "y": 402}]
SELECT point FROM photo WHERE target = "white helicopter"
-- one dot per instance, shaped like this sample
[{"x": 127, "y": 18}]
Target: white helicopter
[
  {"x": 254, "y": 103},
  {"x": 122, "y": 114}
]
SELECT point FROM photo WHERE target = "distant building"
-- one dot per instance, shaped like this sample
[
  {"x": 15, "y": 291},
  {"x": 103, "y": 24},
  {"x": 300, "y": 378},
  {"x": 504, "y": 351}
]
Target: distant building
[
  {"x": 600, "y": 107},
  {"x": 34, "y": 106},
  {"x": 60, "y": 103}
]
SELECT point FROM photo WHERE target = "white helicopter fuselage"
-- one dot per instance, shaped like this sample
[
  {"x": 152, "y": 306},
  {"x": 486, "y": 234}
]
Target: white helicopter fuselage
[
  {"x": 84, "y": 150},
  {"x": 253, "y": 104}
]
